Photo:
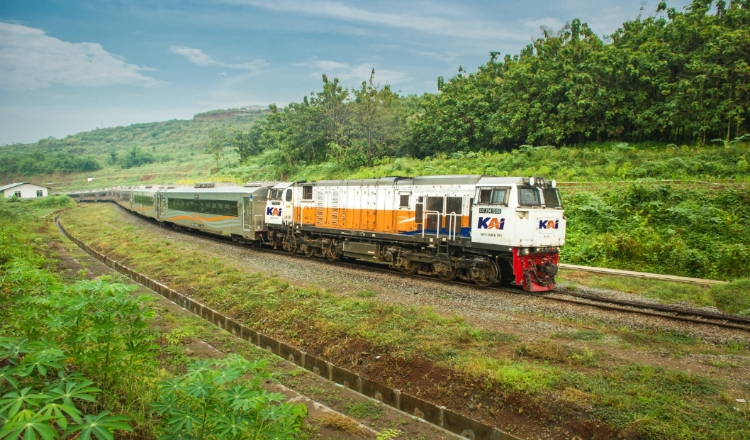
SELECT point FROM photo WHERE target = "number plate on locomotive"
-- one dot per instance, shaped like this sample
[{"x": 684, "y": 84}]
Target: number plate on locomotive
[{"x": 490, "y": 211}]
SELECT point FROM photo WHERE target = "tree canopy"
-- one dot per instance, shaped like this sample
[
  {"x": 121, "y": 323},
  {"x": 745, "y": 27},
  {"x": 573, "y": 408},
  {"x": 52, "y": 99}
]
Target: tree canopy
[{"x": 674, "y": 77}]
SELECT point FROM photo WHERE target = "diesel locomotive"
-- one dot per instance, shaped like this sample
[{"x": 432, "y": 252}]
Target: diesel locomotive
[{"x": 486, "y": 230}]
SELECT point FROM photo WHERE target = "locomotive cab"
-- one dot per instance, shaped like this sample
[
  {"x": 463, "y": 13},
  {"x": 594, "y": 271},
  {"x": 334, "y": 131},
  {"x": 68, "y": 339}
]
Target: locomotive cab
[
  {"x": 280, "y": 204},
  {"x": 526, "y": 216}
]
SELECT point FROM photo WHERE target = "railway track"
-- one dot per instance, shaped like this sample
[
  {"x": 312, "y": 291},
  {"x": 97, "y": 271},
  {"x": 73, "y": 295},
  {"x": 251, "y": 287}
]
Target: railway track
[{"x": 677, "y": 313}]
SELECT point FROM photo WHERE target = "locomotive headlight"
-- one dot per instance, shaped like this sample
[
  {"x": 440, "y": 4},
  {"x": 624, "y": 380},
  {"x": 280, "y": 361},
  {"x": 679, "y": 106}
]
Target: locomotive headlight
[
  {"x": 525, "y": 251},
  {"x": 554, "y": 183},
  {"x": 532, "y": 181}
]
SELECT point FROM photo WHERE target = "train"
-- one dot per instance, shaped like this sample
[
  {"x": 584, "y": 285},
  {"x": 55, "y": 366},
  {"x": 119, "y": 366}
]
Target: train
[{"x": 481, "y": 229}]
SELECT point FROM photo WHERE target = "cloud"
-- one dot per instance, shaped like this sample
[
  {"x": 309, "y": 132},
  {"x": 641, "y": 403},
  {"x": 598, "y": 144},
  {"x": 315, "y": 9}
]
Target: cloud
[
  {"x": 361, "y": 72},
  {"x": 547, "y": 22},
  {"x": 448, "y": 25},
  {"x": 196, "y": 56},
  {"x": 29, "y": 60}
]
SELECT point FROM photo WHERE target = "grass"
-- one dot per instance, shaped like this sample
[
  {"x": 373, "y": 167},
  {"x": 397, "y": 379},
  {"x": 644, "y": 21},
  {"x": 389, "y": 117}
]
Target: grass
[
  {"x": 665, "y": 291},
  {"x": 733, "y": 297},
  {"x": 366, "y": 408},
  {"x": 315, "y": 320}
]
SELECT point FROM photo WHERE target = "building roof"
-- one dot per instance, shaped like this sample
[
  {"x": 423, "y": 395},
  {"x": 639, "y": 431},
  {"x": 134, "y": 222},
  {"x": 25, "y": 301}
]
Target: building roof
[{"x": 13, "y": 185}]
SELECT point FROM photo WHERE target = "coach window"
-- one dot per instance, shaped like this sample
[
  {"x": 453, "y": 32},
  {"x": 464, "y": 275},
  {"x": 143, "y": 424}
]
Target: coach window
[
  {"x": 288, "y": 196},
  {"x": 404, "y": 201},
  {"x": 307, "y": 192}
]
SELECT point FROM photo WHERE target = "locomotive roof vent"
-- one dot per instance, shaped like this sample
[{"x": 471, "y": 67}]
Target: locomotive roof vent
[
  {"x": 149, "y": 186},
  {"x": 260, "y": 184},
  {"x": 205, "y": 185}
]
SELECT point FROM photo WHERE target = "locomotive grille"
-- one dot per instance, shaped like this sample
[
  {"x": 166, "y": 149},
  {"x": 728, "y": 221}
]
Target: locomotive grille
[
  {"x": 319, "y": 207},
  {"x": 335, "y": 208}
]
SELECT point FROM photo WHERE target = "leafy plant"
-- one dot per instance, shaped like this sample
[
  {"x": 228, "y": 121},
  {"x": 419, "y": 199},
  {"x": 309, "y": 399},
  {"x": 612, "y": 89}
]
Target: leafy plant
[
  {"x": 216, "y": 399},
  {"x": 40, "y": 397}
]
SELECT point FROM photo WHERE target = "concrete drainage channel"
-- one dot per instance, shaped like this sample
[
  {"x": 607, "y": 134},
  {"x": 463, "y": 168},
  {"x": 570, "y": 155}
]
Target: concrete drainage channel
[{"x": 429, "y": 412}]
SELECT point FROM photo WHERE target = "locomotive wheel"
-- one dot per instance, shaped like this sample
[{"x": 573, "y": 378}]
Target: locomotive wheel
[
  {"x": 410, "y": 269},
  {"x": 333, "y": 253},
  {"x": 291, "y": 246},
  {"x": 490, "y": 276},
  {"x": 309, "y": 251},
  {"x": 448, "y": 275}
]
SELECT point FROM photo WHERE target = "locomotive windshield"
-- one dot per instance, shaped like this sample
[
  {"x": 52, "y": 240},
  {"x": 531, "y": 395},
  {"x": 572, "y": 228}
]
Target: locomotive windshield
[
  {"x": 529, "y": 196},
  {"x": 552, "y": 198},
  {"x": 494, "y": 196},
  {"x": 275, "y": 194}
]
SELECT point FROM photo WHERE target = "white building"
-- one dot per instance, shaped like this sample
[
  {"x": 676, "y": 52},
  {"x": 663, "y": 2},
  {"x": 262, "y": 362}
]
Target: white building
[{"x": 24, "y": 190}]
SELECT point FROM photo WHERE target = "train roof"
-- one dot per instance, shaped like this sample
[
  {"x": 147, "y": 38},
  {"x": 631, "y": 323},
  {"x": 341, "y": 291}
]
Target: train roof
[
  {"x": 220, "y": 190},
  {"x": 492, "y": 181},
  {"x": 453, "y": 179}
]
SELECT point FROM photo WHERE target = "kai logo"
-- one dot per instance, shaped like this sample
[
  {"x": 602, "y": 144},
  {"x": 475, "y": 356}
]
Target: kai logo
[
  {"x": 491, "y": 223},
  {"x": 549, "y": 224},
  {"x": 274, "y": 212}
]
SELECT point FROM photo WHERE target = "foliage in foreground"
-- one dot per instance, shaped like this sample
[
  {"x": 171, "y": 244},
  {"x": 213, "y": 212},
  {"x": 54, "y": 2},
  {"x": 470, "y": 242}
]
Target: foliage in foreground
[
  {"x": 216, "y": 400},
  {"x": 40, "y": 397},
  {"x": 71, "y": 353}
]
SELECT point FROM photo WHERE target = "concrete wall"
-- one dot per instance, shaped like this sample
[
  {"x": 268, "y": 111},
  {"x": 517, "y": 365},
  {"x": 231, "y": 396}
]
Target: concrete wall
[{"x": 28, "y": 191}]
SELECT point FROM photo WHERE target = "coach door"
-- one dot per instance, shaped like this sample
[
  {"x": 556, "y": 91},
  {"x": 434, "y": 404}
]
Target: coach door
[
  {"x": 162, "y": 205},
  {"x": 247, "y": 214}
]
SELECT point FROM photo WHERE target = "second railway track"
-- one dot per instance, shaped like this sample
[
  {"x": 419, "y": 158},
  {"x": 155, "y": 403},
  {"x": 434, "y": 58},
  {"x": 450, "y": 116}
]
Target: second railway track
[{"x": 677, "y": 313}]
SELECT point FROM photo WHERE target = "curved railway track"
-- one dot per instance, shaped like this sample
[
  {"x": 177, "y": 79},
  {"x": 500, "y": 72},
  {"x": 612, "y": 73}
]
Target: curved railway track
[{"x": 677, "y": 313}]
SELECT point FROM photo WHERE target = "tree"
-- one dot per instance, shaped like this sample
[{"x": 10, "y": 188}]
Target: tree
[
  {"x": 375, "y": 120},
  {"x": 218, "y": 140}
]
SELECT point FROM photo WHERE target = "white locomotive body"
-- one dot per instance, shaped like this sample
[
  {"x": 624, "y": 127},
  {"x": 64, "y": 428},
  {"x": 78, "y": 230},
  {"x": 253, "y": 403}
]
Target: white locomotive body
[{"x": 486, "y": 229}]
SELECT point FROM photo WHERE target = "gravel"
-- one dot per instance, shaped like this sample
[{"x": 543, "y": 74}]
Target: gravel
[{"x": 527, "y": 316}]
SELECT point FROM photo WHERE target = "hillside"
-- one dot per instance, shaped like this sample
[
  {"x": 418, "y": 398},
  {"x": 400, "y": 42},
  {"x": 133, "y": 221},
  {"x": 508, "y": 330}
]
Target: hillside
[{"x": 166, "y": 151}]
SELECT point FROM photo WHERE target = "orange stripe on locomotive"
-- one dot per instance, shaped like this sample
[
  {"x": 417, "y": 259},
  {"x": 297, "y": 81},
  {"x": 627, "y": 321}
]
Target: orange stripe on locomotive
[{"x": 382, "y": 220}]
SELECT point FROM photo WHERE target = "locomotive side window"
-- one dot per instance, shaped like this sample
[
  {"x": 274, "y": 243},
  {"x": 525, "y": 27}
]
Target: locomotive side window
[
  {"x": 529, "y": 196},
  {"x": 552, "y": 198},
  {"x": 288, "y": 195},
  {"x": 403, "y": 201},
  {"x": 484, "y": 195},
  {"x": 307, "y": 192}
]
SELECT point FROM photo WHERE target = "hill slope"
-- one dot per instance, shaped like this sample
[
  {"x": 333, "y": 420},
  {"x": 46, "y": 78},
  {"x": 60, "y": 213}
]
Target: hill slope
[{"x": 159, "y": 151}]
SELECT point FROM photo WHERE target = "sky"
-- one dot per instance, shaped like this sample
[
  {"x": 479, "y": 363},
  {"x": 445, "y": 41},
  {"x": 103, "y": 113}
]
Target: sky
[{"x": 69, "y": 66}]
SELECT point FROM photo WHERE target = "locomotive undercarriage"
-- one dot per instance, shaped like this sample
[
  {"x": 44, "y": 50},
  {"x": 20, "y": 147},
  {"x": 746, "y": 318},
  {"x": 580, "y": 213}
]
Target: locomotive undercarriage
[{"x": 448, "y": 262}]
